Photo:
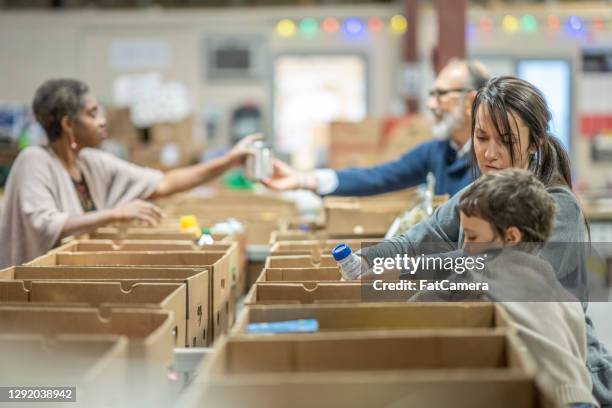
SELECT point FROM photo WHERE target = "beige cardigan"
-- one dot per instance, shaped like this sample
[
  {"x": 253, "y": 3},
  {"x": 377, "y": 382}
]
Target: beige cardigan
[{"x": 40, "y": 196}]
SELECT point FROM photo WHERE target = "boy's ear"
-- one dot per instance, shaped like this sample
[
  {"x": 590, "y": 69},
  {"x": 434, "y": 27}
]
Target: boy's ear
[{"x": 513, "y": 236}]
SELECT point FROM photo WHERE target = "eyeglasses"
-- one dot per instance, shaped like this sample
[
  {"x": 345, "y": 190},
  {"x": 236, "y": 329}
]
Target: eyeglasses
[{"x": 438, "y": 93}]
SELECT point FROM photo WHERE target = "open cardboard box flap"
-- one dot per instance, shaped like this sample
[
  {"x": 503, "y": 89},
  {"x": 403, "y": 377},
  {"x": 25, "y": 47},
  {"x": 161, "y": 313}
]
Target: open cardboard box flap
[
  {"x": 217, "y": 262},
  {"x": 149, "y": 331},
  {"x": 196, "y": 280},
  {"x": 96, "y": 364},
  {"x": 382, "y": 316},
  {"x": 300, "y": 274},
  {"x": 426, "y": 369},
  {"x": 299, "y": 261},
  {"x": 171, "y": 297},
  {"x": 305, "y": 293}
]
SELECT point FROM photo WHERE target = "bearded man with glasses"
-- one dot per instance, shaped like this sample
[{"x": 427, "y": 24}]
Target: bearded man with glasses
[{"x": 447, "y": 156}]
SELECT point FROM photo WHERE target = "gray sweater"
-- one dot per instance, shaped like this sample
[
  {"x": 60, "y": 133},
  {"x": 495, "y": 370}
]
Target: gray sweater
[
  {"x": 442, "y": 232},
  {"x": 549, "y": 320}
]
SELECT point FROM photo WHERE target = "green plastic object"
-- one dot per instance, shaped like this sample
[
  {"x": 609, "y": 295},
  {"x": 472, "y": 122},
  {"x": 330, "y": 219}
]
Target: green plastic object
[
  {"x": 24, "y": 140},
  {"x": 236, "y": 180}
]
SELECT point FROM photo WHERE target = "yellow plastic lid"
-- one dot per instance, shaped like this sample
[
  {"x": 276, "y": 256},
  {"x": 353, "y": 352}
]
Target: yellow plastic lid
[{"x": 188, "y": 222}]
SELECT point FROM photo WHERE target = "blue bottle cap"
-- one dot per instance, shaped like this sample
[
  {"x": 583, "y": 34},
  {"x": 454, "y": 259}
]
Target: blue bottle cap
[{"x": 341, "y": 251}]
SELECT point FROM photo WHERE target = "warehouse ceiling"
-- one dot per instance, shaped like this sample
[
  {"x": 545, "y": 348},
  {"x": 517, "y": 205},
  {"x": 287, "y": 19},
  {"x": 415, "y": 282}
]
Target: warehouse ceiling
[{"x": 76, "y": 4}]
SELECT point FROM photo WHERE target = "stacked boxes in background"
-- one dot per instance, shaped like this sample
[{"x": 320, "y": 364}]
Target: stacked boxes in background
[{"x": 374, "y": 140}]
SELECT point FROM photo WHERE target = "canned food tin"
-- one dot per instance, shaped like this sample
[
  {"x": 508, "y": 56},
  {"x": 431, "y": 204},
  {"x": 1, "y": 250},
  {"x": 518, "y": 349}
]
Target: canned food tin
[{"x": 259, "y": 164}]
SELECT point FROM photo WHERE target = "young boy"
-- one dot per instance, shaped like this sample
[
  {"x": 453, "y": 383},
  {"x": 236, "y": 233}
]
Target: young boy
[{"x": 508, "y": 216}]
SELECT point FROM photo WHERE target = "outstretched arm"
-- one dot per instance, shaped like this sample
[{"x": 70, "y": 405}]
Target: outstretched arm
[{"x": 186, "y": 178}]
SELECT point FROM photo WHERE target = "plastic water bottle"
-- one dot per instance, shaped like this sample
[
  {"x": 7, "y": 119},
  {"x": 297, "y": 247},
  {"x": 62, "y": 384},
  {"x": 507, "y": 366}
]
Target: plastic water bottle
[
  {"x": 206, "y": 238},
  {"x": 348, "y": 262}
]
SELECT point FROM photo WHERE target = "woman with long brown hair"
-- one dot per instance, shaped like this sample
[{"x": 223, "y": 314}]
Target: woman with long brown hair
[{"x": 510, "y": 129}]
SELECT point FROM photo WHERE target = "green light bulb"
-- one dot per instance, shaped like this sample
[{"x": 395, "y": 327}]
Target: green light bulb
[
  {"x": 529, "y": 23},
  {"x": 309, "y": 26}
]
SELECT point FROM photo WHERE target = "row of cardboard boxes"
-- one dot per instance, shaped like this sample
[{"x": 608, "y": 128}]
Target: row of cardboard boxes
[
  {"x": 136, "y": 293},
  {"x": 367, "y": 351},
  {"x": 108, "y": 316},
  {"x": 106, "y": 311}
]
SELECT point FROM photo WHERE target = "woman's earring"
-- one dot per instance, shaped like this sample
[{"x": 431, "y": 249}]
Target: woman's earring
[{"x": 74, "y": 145}]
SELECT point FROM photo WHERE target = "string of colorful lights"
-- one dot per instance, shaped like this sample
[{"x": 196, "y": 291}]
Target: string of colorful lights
[
  {"x": 398, "y": 25},
  {"x": 351, "y": 26}
]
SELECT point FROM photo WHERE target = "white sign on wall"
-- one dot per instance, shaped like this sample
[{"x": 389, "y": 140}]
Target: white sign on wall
[{"x": 131, "y": 54}]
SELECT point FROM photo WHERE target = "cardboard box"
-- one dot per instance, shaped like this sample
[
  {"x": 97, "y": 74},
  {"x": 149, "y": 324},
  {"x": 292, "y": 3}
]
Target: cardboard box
[
  {"x": 136, "y": 233},
  {"x": 381, "y": 316},
  {"x": 196, "y": 281},
  {"x": 171, "y": 297},
  {"x": 316, "y": 248},
  {"x": 150, "y": 342},
  {"x": 370, "y": 369},
  {"x": 254, "y": 269},
  {"x": 349, "y": 158},
  {"x": 218, "y": 264},
  {"x": 296, "y": 235},
  {"x": 120, "y": 127},
  {"x": 96, "y": 245},
  {"x": 300, "y": 261},
  {"x": 305, "y": 293},
  {"x": 403, "y": 134},
  {"x": 95, "y": 364},
  {"x": 149, "y": 331},
  {"x": 232, "y": 248},
  {"x": 363, "y": 135},
  {"x": 162, "y": 135},
  {"x": 300, "y": 274},
  {"x": 355, "y": 144},
  {"x": 366, "y": 217}
]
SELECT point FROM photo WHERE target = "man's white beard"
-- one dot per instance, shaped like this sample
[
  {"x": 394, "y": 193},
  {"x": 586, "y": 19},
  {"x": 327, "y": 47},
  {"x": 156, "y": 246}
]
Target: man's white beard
[{"x": 451, "y": 122}]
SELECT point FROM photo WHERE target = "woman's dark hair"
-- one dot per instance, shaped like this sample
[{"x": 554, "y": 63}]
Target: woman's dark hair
[
  {"x": 55, "y": 99},
  {"x": 510, "y": 95},
  {"x": 506, "y": 94}
]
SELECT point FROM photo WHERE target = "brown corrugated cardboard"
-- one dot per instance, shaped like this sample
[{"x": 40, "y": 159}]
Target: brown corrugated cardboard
[
  {"x": 300, "y": 261},
  {"x": 304, "y": 293},
  {"x": 396, "y": 368},
  {"x": 381, "y": 316},
  {"x": 218, "y": 263},
  {"x": 403, "y": 134},
  {"x": 355, "y": 216},
  {"x": 120, "y": 234},
  {"x": 300, "y": 274},
  {"x": 121, "y": 128},
  {"x": 232, "y": 249},
  {"x": 363, "y": 135},
  {"x": 150, "y": 341},
  {"x": 254, "y": 269},
  {"x": 316, "y": 248},
  {"x": 171, "y": 297},
  {"x": 197, "y": 308},
  {"x": 149, "y": 331},
  {"x": 296, "y": 235},
  {"x": 95, "y": 364},
  {"x": 93, "y": 245}
]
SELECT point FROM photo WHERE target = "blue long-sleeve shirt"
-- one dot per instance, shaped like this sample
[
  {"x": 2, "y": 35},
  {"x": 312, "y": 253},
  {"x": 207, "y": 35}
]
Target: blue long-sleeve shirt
[{"x": 435, "y": 156}]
